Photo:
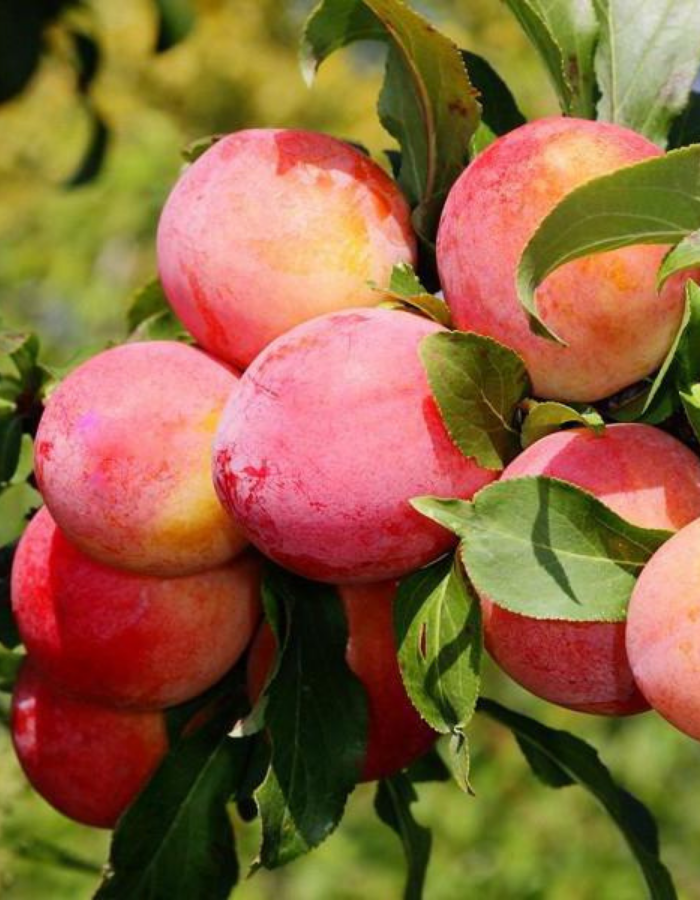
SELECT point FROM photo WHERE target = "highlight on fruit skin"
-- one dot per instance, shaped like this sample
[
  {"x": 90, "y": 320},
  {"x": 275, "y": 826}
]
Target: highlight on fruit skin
[
  {"x": 644, "y": 475},
  {"x": 663, "y": 630},
  {"x": 122, "y": 459},
  {"x": 605, "y": 307},
  {"x": 332, "y": 432},
  {"x": 397, "y": 735},
  {"x": 87, "y": 760},
  {"x": 272, "y": 227},
  {"x": 125, "y": 639}
]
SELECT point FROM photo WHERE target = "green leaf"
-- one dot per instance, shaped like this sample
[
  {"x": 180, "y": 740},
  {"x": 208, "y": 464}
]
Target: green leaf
[
  {"x": 690, "y": 399},
  {"x": 564, "y": 32},
  {"x": 147, "y": 301},
  {"x": 87, "y": 59},
  {"x": 546, "y": 549},
  {"x": 316, "y": 718},
  {"x": 9, "y": 636},
  {"x": 560, "y": 759},
  {"x": 150, "y": 317},
  {"x": 196, "y": 148},
  {"x": 25, "y": 463},
  {"x": 427, "y": 101},
  {"x": 42, "y": 853},
  {"x": 686, "y": 129},
  {"x": 428, "y": 767},
  {"x": 407, "y": 292},
  {"x": 656, "y": 201},
  {"x": 16, "y": 503},
  {"x": 646, "y": 62},
  {"x": 685, "y": 255},
  {"x": 176, "y": 19},
  {"x": 404, "y": 282},
  {"x": 392, "y": 803},
  {"x": 21, "y": 43},
  {"x": 499, "y": 111},
  {"x": 686, "y": 359},
  {"x": 10, "y": 446},
  {"x": 93, "y": 158},
  {"x": 176, "y": 840},
  {"x": 10, "y": 664},
  {"x": 332, "y": 25},
  {"x": 460, "y": 760},
  {"x": 477, "y": 384},
  {"x": 437, "y": 623},
  {"x": 546, "y": 418}
]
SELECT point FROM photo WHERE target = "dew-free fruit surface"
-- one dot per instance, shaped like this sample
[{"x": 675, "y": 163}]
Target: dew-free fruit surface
[{"x": 271, "y": 227}]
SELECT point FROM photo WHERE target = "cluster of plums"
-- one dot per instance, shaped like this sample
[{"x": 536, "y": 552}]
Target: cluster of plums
[{"x": 137, "y": 586}]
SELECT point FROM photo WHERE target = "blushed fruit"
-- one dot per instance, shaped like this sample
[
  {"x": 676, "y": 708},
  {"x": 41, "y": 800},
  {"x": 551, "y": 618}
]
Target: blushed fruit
[
  {"x": 663, "y": 630},
  {"x": 647, "y": 477},
  {"x": 125, "y": 639},
  {"x": 396, "y": 733},
  {"x": 122, "y": 459},
  {"x": 618, "y": 329},
  {"x": 271, "y": 227},
  {"x": 332, "y": 432},
  {"x": 86, "y": 760}
]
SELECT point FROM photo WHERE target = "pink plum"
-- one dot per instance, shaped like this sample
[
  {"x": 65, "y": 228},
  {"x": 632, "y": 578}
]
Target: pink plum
[
  {"x": 663, "y": 630},
  {"x": 122, "y": 459},
  {"x": 86, "y": 760},
  {"x": 126, "y": 639},
  {"x": 606, "y": 307},
  {"x": 332, "y": 432},
  {"x": 647, "y": 477},
  {"x": 271, "y": 227}
]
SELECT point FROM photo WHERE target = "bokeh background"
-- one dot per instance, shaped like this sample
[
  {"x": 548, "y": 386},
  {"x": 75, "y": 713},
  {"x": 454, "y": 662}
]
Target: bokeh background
[{"x": 70, "y": 259}]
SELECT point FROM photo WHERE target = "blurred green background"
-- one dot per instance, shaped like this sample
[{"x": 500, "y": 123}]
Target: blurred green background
[{"x": 69, "y": 262}]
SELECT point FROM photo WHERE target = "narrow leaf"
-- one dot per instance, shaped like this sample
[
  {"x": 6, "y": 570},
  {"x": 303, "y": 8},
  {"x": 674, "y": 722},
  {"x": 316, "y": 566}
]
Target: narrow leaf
[
  {"x": 686, "y": 129},
  {"x": 560, "y": 759},
  {"x": 176, "y": 19},
  {"x": 685, "y": 255},
  {"x": 546, "y": 549},
  {"x": 564, "y": 32},
  {"x": 477, "y": 384},
  {"x": 653, "y": 202},
  {"x": 16, "y": 503},
  {"x": 10, "y": 446},
  {"x": 10, "y": 664},
  {"x": 176, "y": 840},
  {"x": 546, "y": 418},
  {"x": 646, "y": 62},
  {"x": 392, "y": 803},
  {"x": 437, "y": 624},
  {"x": 9, "y": 636},
  {"x": 92, "y": 160},
  {"x": 316, "y": 719},
  {"x": 498, "y": 107}
]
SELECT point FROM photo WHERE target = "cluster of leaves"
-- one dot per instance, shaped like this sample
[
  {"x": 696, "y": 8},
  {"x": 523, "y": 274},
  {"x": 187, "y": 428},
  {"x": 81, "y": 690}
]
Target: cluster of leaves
[{"x": 26, "y": 36}]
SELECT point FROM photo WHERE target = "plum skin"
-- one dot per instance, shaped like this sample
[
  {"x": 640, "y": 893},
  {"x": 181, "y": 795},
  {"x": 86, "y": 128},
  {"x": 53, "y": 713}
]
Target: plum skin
[
  {"x": 272, "y": 227},
  {"x": 605, "y": 307},
  {"x": 122, "y": 459},
  {"x": 87, "y": 760},
  {"x": 646, "y": 476},
  {"x": 663, "y": 632},
  {"x": 332, "y": 432},
  {"x": 126, "y": 639}
]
